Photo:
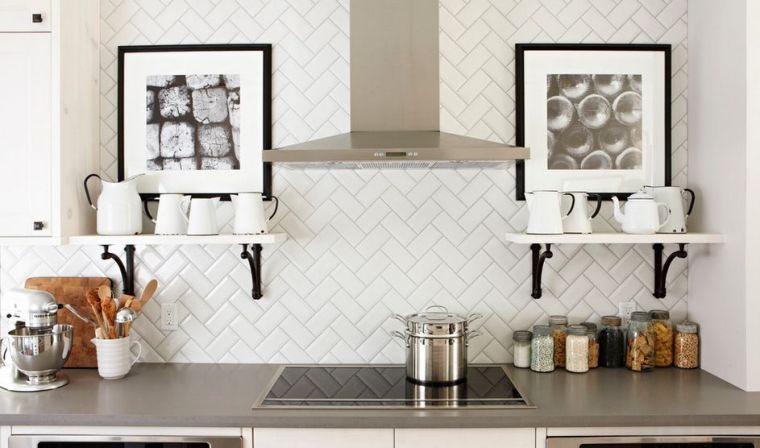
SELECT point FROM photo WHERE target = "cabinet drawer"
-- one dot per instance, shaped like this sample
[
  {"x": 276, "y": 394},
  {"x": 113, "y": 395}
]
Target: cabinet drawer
[
  {"x": 322, "y": 438},
  {"x": 25, "y": 15},
  {"x": 466, "y": 437}
]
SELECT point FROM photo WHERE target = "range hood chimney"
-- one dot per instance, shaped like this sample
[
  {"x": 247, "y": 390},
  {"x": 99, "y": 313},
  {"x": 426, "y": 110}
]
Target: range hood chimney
[{"x": 395, "y": 100}]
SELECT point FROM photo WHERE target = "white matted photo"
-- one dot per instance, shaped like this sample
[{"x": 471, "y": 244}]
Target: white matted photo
[
  {"x": 595, "y": 117},
  {"x": 194, "y": 119}
]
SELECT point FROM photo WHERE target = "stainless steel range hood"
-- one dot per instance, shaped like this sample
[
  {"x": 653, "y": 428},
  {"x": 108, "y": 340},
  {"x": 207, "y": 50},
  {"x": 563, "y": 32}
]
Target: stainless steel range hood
[{"x": 395, "y": 100}]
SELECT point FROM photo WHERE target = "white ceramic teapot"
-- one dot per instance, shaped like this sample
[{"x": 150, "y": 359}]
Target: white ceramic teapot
[
  {"x": 250, "y": 218},
  {"x": 119, "y": 208},
  {"x": 545, "y": 208},
  {"x": 642, "y": 215}
]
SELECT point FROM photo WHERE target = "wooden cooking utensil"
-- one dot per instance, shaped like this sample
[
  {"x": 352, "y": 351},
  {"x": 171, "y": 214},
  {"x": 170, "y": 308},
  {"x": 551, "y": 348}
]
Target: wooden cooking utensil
[
  {"x": 74, "y": 291},
  {"x": 149, "y": 291}
]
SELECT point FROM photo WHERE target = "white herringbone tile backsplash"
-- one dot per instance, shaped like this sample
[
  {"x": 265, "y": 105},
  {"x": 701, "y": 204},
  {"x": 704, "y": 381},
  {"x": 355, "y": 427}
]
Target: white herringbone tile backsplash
[{"x": 364, "y": 244}]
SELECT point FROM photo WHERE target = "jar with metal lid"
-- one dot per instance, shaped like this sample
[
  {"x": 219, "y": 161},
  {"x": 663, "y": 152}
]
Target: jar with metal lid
[
  {"x": 521, "y": 348},
  {"x": 663, "y": 338},
  {"x": 558, "y": 325},
  {"x": 542, "y": 349},
  {"x": 593, "y": 345},
  {"x": 612, "y": 342},
  {"x": 576, "y": 349},
  {"x": 687, "y": 345},
  {"x": 640, "y": 340}
]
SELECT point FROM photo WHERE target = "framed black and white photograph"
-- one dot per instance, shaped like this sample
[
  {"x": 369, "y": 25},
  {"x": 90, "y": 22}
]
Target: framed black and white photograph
[
  {"x": 195, "y": 119},
  {"x": 596, "y": 117}
]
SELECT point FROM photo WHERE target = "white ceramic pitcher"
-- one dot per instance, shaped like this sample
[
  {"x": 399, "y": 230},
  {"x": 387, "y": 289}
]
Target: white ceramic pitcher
[
  {"x": 545, "y": 208},
  {"x": 250, "y": 217},
  {"x": 169, "y": 219},
  {"x": 119, "y": 207},
  {"x": 673, "y": 197},
  {"x": 200, "y": 214},
  {"x": 579, "y": 218}
]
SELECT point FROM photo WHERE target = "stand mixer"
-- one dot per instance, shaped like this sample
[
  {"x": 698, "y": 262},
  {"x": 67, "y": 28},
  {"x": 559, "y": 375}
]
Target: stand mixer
[{"x": 37, "y": 347}]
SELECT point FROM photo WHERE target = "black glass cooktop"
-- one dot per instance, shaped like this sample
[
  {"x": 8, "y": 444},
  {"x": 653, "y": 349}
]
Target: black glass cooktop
[{"x": 387, "y": 386}]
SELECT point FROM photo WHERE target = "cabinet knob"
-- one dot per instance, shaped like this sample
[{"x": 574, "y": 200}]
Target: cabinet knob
[
  {"x": 36, "y": 18},
  {"x": 39, "y": 225}
]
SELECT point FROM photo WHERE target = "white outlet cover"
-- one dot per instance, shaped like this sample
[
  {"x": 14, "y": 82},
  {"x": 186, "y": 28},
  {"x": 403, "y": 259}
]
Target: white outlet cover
[
  {"x": 169, "y": 318},
  {"x": 625, "y": 309}
]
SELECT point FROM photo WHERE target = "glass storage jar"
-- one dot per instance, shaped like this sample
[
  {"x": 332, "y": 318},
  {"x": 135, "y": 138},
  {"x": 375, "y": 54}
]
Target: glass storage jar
[
  {"x": 558, "y": 326},
  {"x": 521, "y": 348},
  {"x": 687, "y": 345},
  {"x": 640, "y": 341},
  {"x": 542, "y": 349},
  {"x": 663, "y": 338},
  {"x": 611, "y": 342},
  {"x": 593, "y": 345},
  {"x": 577, "y": 349}
]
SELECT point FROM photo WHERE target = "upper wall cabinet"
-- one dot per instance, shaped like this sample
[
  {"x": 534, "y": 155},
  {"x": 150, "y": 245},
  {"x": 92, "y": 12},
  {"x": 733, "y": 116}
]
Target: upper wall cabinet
[
  {"x": 25, "y": 15},
  {"x": 49, "y": 119}
]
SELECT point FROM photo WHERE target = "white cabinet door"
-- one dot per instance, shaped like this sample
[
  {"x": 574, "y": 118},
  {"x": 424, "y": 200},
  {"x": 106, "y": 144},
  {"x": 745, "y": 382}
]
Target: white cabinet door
[
  {"x": 25, "y": 134},
  {"x": 322, "y": 438},
  {"x": 25, "y": 15},
  {"x": 466, "y": 437}
]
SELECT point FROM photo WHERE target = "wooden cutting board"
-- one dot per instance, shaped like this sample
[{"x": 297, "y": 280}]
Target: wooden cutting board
[{"x": 72, "y": 290}]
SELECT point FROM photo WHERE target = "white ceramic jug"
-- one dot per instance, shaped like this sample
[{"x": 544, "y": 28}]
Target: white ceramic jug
[
  {"x": 545, "y": 208},
  {"x": 673, "y": 197},
  {"x": 642, "y": 215},
  {"x": 169, "y": 219},
  {"x": 119, "y": 208},
  {"x": 200, "y": 214},
  {"x": 250, "y": 217},
  {"x": 579, "y": 219}
]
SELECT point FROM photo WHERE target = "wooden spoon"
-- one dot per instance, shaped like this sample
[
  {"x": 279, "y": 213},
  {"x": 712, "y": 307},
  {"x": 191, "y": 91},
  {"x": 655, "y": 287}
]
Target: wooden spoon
[
  {"x": 94, "y": 301},
  {"x": 148, "y": 292}
]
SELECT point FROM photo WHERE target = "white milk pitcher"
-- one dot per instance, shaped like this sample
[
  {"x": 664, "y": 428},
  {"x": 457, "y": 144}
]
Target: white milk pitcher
[
  {"x": 119, "y": 207},
  {"x": 250, "y": 217},
  {"x": 200, "y": 214},
  {"x": 169, "y": 219}
]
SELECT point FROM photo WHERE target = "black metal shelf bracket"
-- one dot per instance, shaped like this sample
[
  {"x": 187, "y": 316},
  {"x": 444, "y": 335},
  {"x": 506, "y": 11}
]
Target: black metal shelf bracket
[
  {"x": 127, "y": 271},
  {"x": 538, "y": 267},
  {"x": 254, "y": 261},
  {"x": 661, "y": 269}
]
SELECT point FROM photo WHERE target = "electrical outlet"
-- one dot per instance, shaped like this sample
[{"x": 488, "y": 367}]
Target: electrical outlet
[
  {"x": 169, "y": 318},
  {"x": 626, "y": 308}
]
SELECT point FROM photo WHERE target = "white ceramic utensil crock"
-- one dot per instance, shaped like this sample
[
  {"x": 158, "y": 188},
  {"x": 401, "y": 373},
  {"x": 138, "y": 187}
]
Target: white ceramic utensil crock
[{"x": 115, "y": 357}]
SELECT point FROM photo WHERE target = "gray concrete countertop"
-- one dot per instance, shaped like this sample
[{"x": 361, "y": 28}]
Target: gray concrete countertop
[{"x": 222, "y": 395}]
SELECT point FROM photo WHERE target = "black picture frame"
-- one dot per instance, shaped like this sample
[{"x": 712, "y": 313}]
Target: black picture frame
[
  {"x": 522, "y": 48},
  {"x": 265, "y": 49}
]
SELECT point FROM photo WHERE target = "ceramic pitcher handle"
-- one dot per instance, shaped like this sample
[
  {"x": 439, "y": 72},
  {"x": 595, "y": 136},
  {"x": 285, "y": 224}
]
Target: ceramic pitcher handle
[
  {"x": 87, "y": 190},
  {"x": 147, "y": 212},
  {"x": 276, "y": 206},
  {"x": 139, "y": 352},
  {"x": 691, "y": 202},
  {"x": 598, "y": 203},
  {"x": 572, "y": 203},
  {"x": 667, "y": 216},
  {"x": 184, "y": 210}
]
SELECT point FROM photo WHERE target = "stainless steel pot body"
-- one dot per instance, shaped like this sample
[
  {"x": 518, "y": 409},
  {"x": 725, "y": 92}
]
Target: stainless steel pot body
[
  {"x": 422, "y": 395},
  {"x": 436, "y": 360}
]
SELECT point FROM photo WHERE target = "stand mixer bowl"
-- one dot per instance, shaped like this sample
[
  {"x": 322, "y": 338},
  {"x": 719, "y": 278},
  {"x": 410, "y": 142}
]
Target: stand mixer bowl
[{"x": 39, "y": 354}]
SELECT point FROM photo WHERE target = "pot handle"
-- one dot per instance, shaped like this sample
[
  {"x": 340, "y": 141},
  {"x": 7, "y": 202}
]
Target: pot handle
[
  {"x": 276, "y": 206},
  {"x": 473, "y": 334},
  {"x": 439, "y": 307},
  {"x": 400, "y": 335},
  {"x": 399, "y": 318},
  {"x": 87, "y": 190},
  {"x": 473, "y": 317}
]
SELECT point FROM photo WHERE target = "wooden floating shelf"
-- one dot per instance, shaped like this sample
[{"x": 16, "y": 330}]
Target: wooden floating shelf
[
  {"x": 617, "y": 238},
  {"x": 657, "y": 241},
  {"x": 155, "y": 240},
  {"x": 127, "y": 270}
]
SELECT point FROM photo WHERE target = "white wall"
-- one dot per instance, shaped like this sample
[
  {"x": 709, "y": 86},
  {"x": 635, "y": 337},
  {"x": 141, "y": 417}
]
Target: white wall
[
  {"x": 367, "y": 243},
  {"x": 723, "y": 168}
]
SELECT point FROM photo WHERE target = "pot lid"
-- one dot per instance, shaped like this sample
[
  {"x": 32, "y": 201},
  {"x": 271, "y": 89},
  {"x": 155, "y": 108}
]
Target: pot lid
[{"x": 441, "y": 316}]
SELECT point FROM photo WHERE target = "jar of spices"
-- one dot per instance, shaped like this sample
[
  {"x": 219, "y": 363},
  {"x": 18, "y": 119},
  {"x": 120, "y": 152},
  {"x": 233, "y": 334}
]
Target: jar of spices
[
  {"x": 558, "y": 326},
  {"x": 640, "y": 340},
  {"x": 521, "y": 348},
  {"x": 577, "y": 349},
  {"x": 663, "y": 338},
  {"x": 593, "y": 345},
  {"x": 542, "y": 349},
  {"x": 611, "y": 342},
  {"x": 687, "y": 345}
]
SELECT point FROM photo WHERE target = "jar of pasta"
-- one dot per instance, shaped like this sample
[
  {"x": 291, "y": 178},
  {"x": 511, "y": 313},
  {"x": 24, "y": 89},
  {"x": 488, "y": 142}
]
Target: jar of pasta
[
  {"x": 558, "y": 325},
  {"x": 593, "y": 345},
  {"x": 640, "y": 343},
  {"x": 687, "y": 345},
  {"x": 663, "y": 338}
]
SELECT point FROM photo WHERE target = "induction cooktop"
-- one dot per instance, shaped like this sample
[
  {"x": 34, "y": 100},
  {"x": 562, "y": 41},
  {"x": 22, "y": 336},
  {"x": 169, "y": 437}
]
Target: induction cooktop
[{"x": 486, "y": 386}]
